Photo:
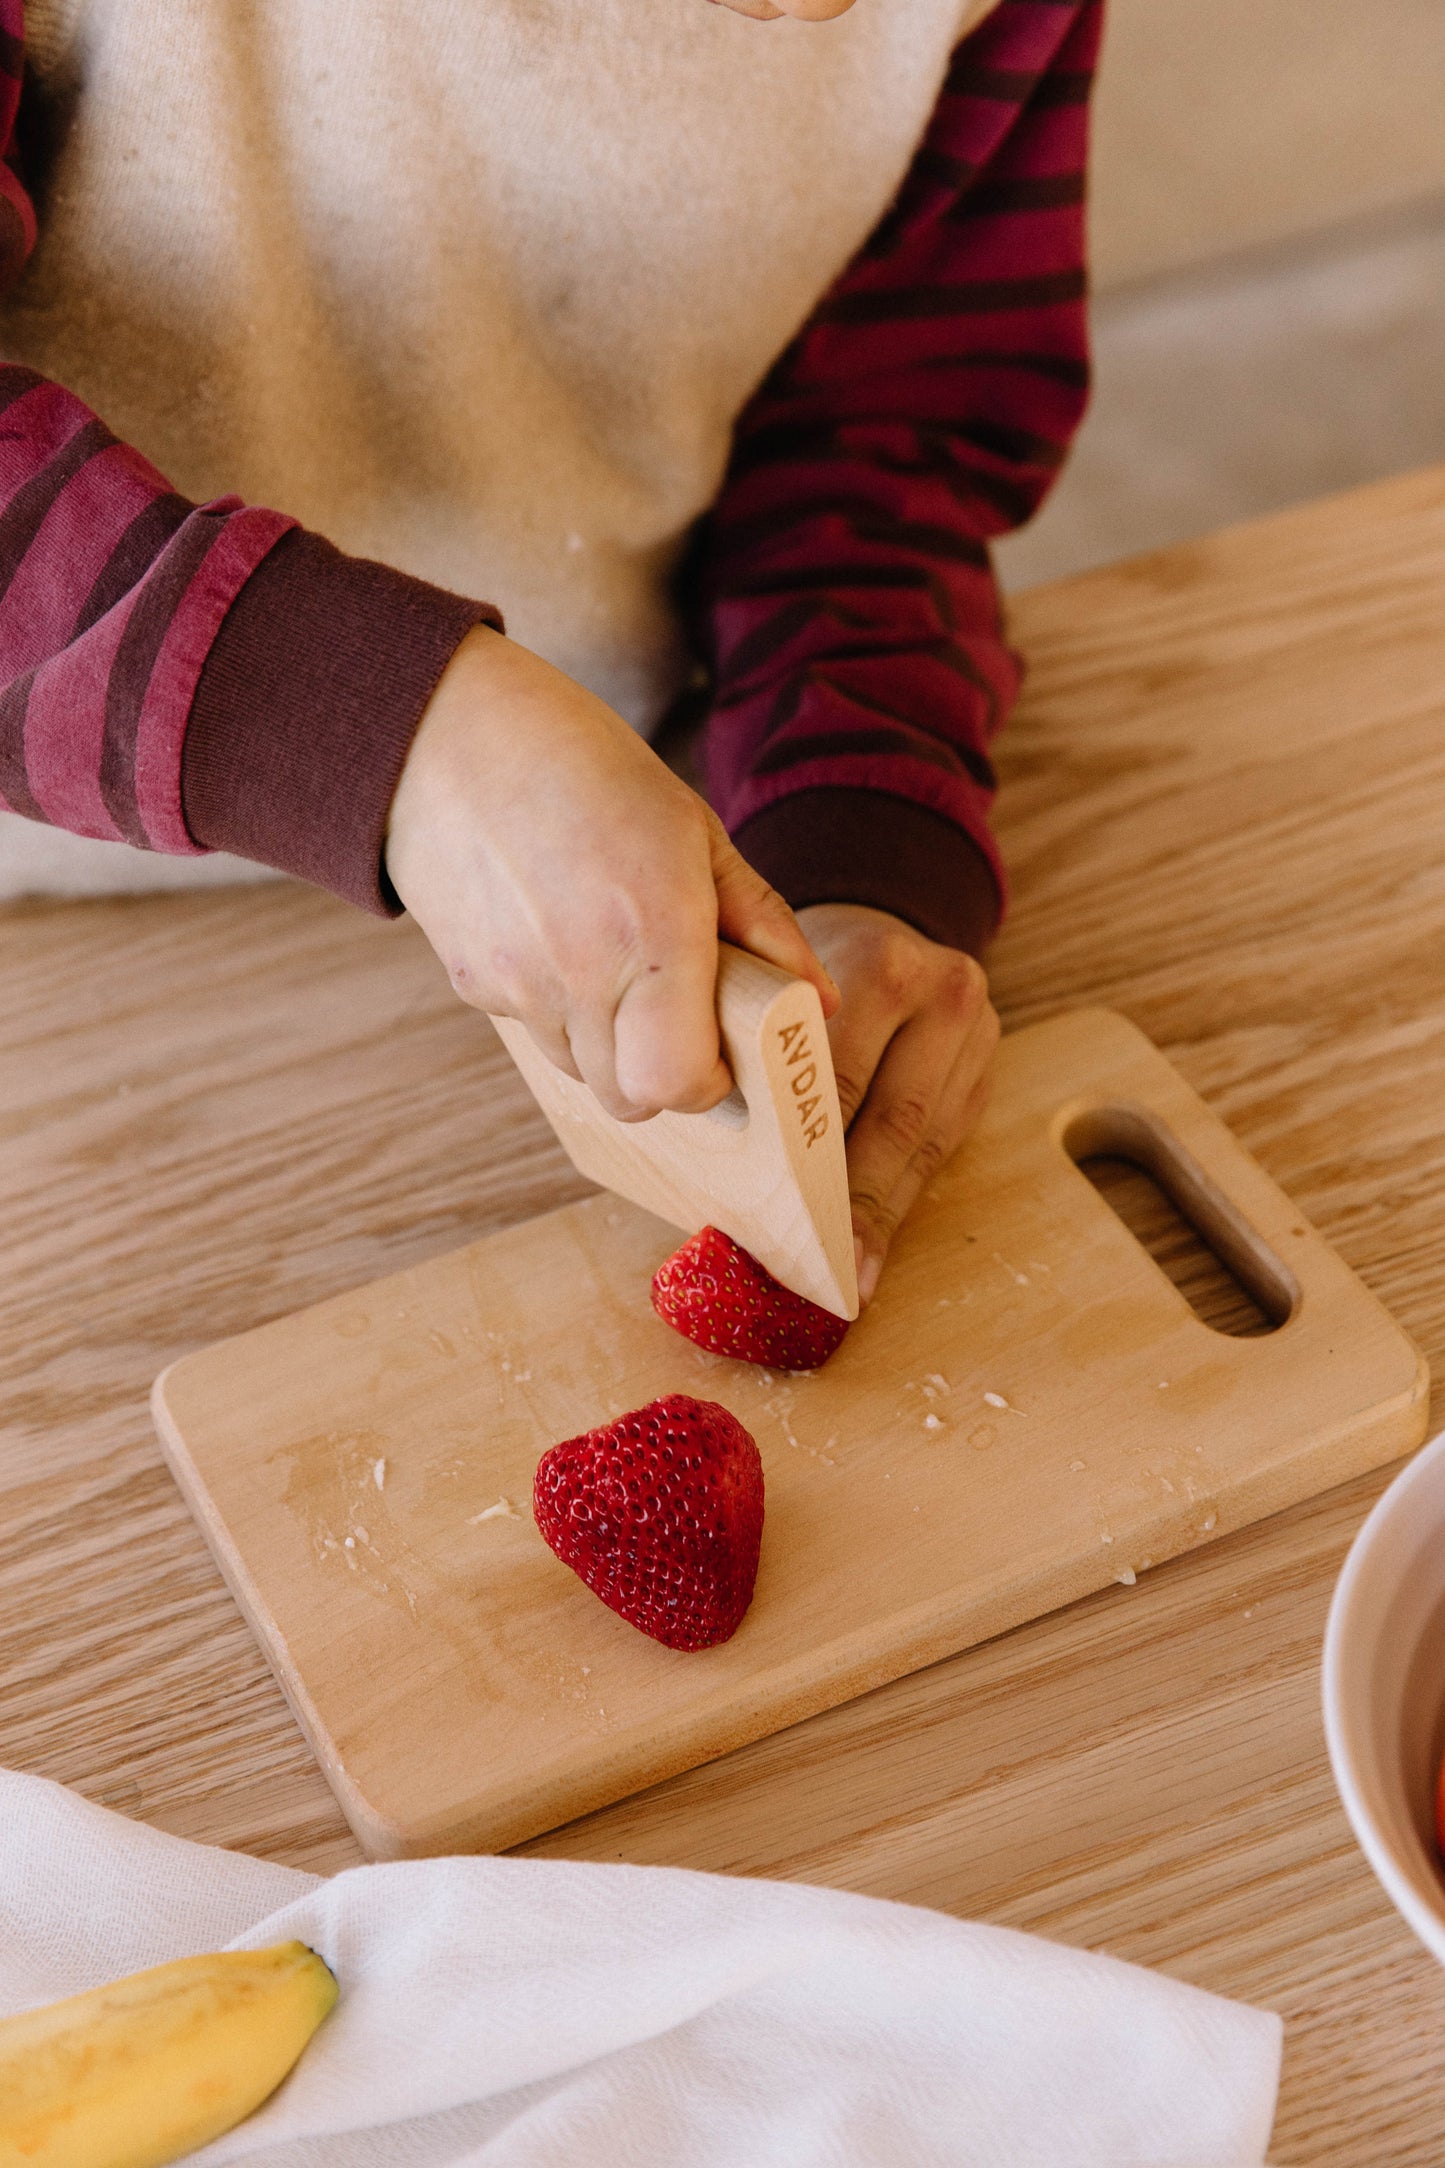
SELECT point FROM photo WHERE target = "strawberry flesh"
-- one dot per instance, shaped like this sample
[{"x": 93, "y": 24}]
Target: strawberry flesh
[
  {"x": 661, "y": 1514},
  {"x": 713, "y": 1292}
]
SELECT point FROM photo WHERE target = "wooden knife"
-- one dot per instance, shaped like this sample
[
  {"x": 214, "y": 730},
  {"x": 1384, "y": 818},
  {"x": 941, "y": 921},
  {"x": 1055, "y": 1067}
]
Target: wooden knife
[{"x": 767, "y": 1166}]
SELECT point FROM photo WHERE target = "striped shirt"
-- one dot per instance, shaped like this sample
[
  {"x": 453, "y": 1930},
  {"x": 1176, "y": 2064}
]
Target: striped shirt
[{"x": 189, "y": 677}]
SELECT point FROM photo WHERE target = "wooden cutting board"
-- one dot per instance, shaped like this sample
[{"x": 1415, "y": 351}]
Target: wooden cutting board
[{"x": 1028, "y": 1411}]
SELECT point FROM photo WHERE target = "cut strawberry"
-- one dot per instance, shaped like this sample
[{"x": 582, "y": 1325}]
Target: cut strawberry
[
  {"x": 661, "y": 1514},
  {"x": 713, "y": 1292}
]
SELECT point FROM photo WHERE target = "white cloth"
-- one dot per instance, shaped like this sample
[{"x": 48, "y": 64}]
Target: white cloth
[{"x": 507, "y": 2013}]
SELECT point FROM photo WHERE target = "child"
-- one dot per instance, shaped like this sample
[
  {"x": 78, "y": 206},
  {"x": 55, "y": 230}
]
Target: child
[{"x": 710, "y": 353}]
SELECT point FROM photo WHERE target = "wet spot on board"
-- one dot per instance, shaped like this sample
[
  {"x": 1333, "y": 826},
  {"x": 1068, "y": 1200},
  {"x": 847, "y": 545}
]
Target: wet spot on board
[
  {"x": 1107, "y": 1330},
  {"x": 332, "y": 1488},
  {"x": 1207, "y": 1387}
]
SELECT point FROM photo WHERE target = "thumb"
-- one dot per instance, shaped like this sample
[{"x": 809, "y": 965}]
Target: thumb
[{"x": 754, "y": 917}]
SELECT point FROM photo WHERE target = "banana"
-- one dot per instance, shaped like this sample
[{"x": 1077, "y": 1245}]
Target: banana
[{"x": 138, "y": 2073}]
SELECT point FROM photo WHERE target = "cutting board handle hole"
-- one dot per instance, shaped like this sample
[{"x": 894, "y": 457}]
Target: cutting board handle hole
[{"x": 1227, "y": 1273}]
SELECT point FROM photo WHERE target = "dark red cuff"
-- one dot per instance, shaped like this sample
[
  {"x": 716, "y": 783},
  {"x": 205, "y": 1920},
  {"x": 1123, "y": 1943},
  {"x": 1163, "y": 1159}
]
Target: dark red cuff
[
  {"x": 838, "y": 845},
  {"x": 306, "y": 708}
]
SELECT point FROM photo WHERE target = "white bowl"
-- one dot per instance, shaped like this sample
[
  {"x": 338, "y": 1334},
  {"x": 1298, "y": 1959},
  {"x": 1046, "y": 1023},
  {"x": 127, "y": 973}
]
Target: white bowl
[{"x": 1384, "y": 1689}]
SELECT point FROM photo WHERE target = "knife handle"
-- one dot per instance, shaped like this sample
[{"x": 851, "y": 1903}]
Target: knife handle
[{"x": 767, "y": 1166}]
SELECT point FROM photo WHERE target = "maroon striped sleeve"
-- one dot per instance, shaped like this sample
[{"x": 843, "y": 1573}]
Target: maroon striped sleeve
[
  {"x": 847, "y": 603},
  {"x": 17, "y": 214},
  {"x": 191, "y": 677},
  {"x": 93, "y": 703},
  {"x": 306, "y": 708}
]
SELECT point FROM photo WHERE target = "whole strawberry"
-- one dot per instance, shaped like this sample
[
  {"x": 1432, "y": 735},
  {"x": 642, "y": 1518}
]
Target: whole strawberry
[
  {"x": 713, "y": 1292},
  {"x": 661, "y": 1514}
]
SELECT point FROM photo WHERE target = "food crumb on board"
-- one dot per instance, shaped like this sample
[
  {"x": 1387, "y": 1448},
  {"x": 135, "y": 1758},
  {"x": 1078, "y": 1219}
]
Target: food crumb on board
[
  {"x": 932, "y": 1422},
  {"x": 361, "y": 1534},
  {"x": 1104, "y": 1536},
  {"x": 1127, "y": 1578},
  {"x": 1077, "y": 1467},
  {"x": 378, "y": 1474},
  {"x": 1210, "y": 1521},
  {"x": 502, "y": 1510},
  {"x": 937, "y": 1380},
  {"x": 997, "y": 1400},
  {"x": 1162, "y": 1386}
]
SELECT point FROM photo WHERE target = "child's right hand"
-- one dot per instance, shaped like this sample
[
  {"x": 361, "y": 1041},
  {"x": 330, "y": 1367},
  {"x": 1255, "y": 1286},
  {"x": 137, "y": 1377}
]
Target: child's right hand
[{"x": 566, "y": 877}]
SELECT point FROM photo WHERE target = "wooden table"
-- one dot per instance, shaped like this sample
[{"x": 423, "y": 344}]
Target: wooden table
[{"x": 1224, "y": 803}]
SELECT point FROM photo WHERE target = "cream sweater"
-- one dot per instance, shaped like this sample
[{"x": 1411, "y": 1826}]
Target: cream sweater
[{"x": 474, "y": 286}]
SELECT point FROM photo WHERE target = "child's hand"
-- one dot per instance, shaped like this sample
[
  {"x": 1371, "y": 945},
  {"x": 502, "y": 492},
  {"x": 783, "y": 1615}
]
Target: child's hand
[
  {"x": 565, "y": 877},
  {"x": 913, "y": 1044}
]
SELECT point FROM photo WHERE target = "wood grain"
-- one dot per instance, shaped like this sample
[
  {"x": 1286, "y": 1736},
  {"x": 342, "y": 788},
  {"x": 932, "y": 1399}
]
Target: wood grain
[
  {"x": 1207, "y": 1284},
  {"x": 1224, "y": 803},
  {"x": 767, "y": 1166}
]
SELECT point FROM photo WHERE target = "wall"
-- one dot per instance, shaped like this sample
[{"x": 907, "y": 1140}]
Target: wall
[{"x": 1224, "y": 124}]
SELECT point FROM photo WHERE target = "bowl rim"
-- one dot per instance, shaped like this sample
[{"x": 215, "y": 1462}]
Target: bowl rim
[{"x": 1427, "y": 1923}]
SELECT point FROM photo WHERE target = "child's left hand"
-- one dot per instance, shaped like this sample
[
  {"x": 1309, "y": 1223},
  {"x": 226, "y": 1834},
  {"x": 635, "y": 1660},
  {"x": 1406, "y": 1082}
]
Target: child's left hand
[{"x": 913, "y": 1046}]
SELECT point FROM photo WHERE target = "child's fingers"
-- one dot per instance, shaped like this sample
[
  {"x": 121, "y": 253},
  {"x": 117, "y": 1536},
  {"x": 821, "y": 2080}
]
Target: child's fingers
[
  {"x": 754, "y": 917},
  {"x": 550, "y": 1036},
  {"x": 960, "y": 1108},
  {"x": 658, "y": 1048},
  {"x": 913, "y": 1117},
  {"x": 859, "y": 1035},
  {"x": 664, "y": 1037}
]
